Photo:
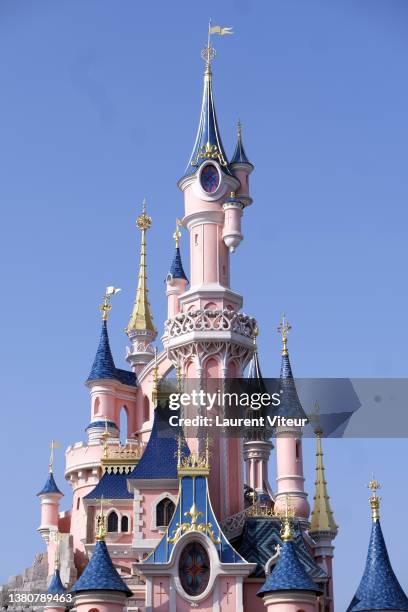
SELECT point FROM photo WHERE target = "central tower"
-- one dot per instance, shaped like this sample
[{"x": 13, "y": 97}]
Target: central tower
[{"x": 207, "y": 337}]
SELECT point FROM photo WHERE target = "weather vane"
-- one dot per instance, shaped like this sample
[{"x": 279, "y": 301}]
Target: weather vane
[
  {"x": 106, "y": 306},
  {"x": 54, "y": 444},
  {"x": 208, "y": 53},
  {"x": 284, "y": 328}
]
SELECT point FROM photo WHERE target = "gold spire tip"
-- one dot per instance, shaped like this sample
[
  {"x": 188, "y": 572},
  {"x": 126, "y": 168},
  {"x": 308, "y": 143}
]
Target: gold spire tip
[
  {"x": 177, "y": 233},
  {"x": 144, "y": 222},
  {"x": 374, "y": 485},
  {"x": 284, "y": 328},
  {"x": 101, "y": 524}
]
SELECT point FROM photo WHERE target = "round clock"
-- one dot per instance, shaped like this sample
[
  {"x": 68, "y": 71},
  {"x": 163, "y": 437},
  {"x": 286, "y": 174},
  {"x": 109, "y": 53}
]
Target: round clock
[{"x": 210, "y": 178}]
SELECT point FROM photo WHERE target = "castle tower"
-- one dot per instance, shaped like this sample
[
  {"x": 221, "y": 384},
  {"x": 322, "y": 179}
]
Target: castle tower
[
  {"x": 323, "y": 528},
  {"x": 257, "y": 444},
  {"x": 50, "y": 497},
  {"x": 289, "y": 457},
  {"x": 288, "y": 588},
  {"x": 141, "y": 330},
  {"x": 379, "y": 588},
  {"x": 176, "y": 279},
  {"x": 209, "y": 338},
  {"x": 56, "y": 588},
  {"x": 100, "y": 587}
]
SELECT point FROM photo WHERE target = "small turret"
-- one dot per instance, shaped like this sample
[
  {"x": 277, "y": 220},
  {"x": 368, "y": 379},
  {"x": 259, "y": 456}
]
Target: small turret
[
  {"x": 288, "y": 587},
  {"x": 241, "y": 168},
  {"x": 50, "y": 497},
  {"x": 290, "y": 479},
  {"x": 102, "y": 379},
  {"x": 100, "y": 583},
  {"x": 231, "y": 232},
  {"x": 379, "y": 588},
  {"x": 141, "y": 330},
  {"x": 176, "y": 279}
]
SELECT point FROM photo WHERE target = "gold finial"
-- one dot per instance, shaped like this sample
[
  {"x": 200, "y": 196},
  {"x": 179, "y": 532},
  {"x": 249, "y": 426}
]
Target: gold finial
[
  {"x": 101, "y": 523},
  {"x": 315, "y": 416},
  {"x": 177, "y": 233},
  {"x": 106, "y": 306},
  {"x": 54, "y": 444},
  {"x": 374, "y": 485},
  {"x": 287, "y": 518},
  {"x": 284, "y": 328},
  {"x": 141, "y": 318}
]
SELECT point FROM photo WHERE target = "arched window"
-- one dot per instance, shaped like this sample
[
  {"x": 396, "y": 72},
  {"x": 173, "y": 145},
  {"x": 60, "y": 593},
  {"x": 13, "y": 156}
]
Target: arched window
[
  {"x": 164, "y": 512},
  {"x": 96, "y": 406},
  {"x": 124, "y": 523},
  {"x": 113, "y": 522},
  {"x": 297, "y": 450},
  {"x": 145, "y": 409}
]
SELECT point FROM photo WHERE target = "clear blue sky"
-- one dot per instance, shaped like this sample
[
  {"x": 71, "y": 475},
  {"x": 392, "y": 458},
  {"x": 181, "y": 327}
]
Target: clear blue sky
[{"x": 99, "y": 106}]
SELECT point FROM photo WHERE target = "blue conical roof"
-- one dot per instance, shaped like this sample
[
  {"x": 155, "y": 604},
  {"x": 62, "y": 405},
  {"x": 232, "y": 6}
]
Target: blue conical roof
[
  {"x": 208, "y": 144},
  {"x": 239, "y": 155},
  {"x": 56, "y": 587},
  {"x": 100, "y": 574},
  {"x": 103, "y": 365},
  {"x": 379, "y": 588},
  {"x": 176, "y": 268},
  {"x": 288, "y": 574},
  {"x": 50, "y": 486},
  {"x": 290, "y": 405}
]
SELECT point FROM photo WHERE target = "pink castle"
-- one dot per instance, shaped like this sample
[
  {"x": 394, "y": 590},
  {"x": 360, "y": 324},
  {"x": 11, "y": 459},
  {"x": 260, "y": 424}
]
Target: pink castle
[{"x": 166, "y": 523}]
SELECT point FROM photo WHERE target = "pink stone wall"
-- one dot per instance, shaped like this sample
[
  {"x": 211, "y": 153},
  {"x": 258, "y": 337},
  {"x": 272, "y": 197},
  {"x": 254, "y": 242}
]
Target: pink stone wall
[
  {"x": 160, "y": 594},
  {"x": 252, "y": 603},
  {"x": 203, "y": 606}
]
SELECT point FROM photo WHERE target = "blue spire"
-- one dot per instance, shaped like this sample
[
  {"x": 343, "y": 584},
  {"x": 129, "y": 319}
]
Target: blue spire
[
  {"x": 176, "y": 268},
  {"x": 50, "y": 486},
  {"x": 239, "y": 156},
  {"x": 208, "y": 144},
  {"x": 56, "y": 587},
  {"x": 379, "y": 588},
  {"x": 290, "y": 405},
  {"x": 288, "y": 573},
  {"x": 100, "y": 574},
  {"x": 103, "y": 365}
]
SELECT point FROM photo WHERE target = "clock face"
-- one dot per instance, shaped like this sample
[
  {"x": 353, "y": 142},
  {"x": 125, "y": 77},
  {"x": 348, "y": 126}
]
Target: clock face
[{"x": 210, "y": 178}]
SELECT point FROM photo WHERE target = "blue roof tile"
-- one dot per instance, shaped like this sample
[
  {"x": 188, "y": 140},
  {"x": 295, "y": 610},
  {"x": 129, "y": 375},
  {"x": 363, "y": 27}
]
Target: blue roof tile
[
  {"x": 100, "y": 574},
  {"x": 104, "y": 367},
  {"x": 56, "y": 587},
  {"x": 50, "y": 486},
  {"x": 159, "y": 459},
  {"x": 288, "y": 574},
  {"x": 111, "y": 486},
  {"x": 379, "y": 588},
  {"x": 176, "y": 268},
  {"x": 290, "y": 404}
]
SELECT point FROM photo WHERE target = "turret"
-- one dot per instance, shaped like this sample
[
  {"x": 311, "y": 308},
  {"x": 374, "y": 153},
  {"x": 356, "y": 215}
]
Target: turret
[
  {"x": 176, "y": 279},
  {"x": 141, "y": 330},
  {"x": 323, "y": 528},
  {"x": 56, "y": 590},
  {"x": 257, "y": 444},
  {"x": 289, "y": 458},
  {"x": 379, "y": 588},
  {"x": 288, "y": 588},
  {"x": 50, "y": 497},
  {"x": 241, "y": 168},
  {"x": 102, "y": 379},
  {"x": 100, "y": 585}
]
